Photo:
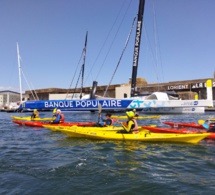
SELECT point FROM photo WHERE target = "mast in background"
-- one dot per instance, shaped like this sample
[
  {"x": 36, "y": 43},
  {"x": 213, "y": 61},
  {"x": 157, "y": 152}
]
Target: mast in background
[
  {"x": 137, "y": 47},
  {"x": 83, "y": 65},
  {"x": 19, "y": 67}
]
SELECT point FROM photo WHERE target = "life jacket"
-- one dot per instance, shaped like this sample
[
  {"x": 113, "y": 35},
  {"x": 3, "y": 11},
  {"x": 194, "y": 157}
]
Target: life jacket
[
  {"x": 62, "y": 118},
  {"x": 135, "y": 128},
  {"x": 113, "y": 120}
]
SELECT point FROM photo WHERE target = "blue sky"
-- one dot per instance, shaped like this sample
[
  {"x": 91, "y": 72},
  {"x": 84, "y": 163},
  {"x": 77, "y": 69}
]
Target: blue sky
[{"x": 178, "y": 41}]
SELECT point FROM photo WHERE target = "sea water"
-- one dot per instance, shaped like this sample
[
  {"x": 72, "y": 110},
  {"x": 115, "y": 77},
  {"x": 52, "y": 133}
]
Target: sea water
[{"x": 39, "y": 161}]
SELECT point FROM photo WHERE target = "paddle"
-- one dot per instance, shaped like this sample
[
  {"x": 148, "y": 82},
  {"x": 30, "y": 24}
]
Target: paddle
[
  {"x": 200, "y": 122},
  {"x": 204, "y": 123},
  {"x": 100, "y": 110}
]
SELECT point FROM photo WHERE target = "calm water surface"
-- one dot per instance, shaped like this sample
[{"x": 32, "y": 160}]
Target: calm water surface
[{"x": 39, "y": 161}]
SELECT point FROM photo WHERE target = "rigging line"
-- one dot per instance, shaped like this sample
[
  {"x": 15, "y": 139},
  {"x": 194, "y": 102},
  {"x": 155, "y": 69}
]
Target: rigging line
[
  {"x": 28, "y": 84},
  {"x": 26, "y": 80},
  {"x": 158, "y": 51},
  {"x": 107, "y": 39},
  {"x": 156, "y": 43},
  {"x": 112, "y": 44},
  {"x": 126, "y": 43},
  {"x": 76, "y": 84},
  {"x": 34, "y": 91},
  {"x": 150, "y": 47},
  {"x": 156, "y": 47},
  {"x": 74, "y": 74}
]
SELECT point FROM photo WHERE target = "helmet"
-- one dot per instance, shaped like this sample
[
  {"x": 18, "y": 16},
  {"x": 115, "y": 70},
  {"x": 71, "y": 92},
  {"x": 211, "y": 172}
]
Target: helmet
[
  {"x": 130, "y": 114},
  {"x": 35, "y": 110},
  {"x": 134, "y": 110},
  {"x": 58, "y": 110}
]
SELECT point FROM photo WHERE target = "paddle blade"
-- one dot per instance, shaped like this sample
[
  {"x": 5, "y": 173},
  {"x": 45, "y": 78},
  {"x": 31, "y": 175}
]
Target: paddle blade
[{"x": 99, "y": 108}]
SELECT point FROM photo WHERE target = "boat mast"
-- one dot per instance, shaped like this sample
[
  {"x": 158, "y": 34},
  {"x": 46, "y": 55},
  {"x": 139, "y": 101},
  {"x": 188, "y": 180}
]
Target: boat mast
[
  {"x": 137, "y": 46},
  {"x": 19, "y": 67},
  {"x": 83, "y": 65}
]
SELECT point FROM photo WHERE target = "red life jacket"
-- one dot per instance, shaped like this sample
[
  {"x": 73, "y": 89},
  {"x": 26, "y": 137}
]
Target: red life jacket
[
  {"x": 113, "y": 121},
  {"x": 62, "y": 118}
]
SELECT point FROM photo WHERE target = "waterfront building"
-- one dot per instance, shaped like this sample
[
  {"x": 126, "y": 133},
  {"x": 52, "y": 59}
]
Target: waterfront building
[
  {"x": 8, "y": 97},
  {"x": 186, "y": 90}
]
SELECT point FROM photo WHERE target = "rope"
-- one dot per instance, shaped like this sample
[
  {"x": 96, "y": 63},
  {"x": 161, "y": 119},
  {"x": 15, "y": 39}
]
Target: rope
[
  {"x": 74, "y": 75},
  {"x": 126, "y": 43},
  {"x": 106, "y": 41}
]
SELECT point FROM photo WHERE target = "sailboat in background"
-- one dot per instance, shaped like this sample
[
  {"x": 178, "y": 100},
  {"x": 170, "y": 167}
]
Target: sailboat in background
[
  {"x": 19, "y": 67},
  {"x": 14, "y": 106},
  {"x": 133, "y": 102}
]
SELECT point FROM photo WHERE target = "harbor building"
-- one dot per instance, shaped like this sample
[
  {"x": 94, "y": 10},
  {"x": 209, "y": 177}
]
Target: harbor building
[
  {"x": 8, "y": 98},
  {"x": 186, "y": 90}
]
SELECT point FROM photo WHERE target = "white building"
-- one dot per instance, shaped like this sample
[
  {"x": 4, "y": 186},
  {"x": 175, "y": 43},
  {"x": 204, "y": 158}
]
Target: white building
[{"x": 8, "y": 98}]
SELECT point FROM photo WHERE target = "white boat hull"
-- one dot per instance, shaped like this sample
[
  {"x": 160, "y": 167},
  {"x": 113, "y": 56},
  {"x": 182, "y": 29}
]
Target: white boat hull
[
  {"x": 150, "y": 106},
  {"x": 174, "y": 110}
]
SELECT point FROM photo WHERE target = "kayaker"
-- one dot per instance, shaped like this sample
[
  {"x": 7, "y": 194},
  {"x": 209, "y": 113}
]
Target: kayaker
[
  {"x": 54, "y": 114},
  {"x": 210, "y": 127},
  {"x": 35, "y": 114},
  {"x": 131, "y": 125},
  {"x": 136, "y": 114},
  {"x": 59, "y": 117},
  {"x": 107, "y": 121}
]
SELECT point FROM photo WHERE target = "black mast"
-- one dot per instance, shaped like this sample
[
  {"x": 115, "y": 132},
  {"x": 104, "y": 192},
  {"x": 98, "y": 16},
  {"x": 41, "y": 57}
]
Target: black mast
[
  {"x": 83, "y": 65},
  {"x": 137, "y": 46}
]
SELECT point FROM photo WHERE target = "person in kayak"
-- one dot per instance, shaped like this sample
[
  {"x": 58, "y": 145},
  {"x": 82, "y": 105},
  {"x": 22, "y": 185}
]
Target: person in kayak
[
  {"x": 54, "y": 114},
  {"x": 107, "y": 121},
  {"x": 210, "y": 127},
  {"x": 35, "y": 114},
  {"x": 131, "y": 125},
  {"x": 59, "y": 118},
  {"x": 136, "y": 114}
]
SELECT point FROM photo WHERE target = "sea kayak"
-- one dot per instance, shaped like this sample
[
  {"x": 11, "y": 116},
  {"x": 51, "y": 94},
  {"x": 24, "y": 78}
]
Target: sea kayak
[
  {"x": 137, "y": 117},
  {"x": 180, "y": 124},
  {"x": 87, "y": 128},
  {"x": 28, "y": 118},
  {"x": 141, "y": 136},
  {"x": 66, "y": 130},
  {"x": 180, "y": 131},
  {"x": 41, "y": 124}
]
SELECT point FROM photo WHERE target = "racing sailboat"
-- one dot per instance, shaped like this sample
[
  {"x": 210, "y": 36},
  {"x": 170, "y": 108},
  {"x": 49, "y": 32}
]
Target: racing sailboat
[{"x": 133, "y": 102}]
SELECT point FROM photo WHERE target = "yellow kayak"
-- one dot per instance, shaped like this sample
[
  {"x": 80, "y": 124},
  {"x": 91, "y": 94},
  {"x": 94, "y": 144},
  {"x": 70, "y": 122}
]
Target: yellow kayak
[
  {"x": 138, "y": 117},
  {"x": 28, "y": 118},
  {"x": 141, "y": 136},
  {"x": 106, "y": 128},
  {"x": 66, "y": 129}
]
